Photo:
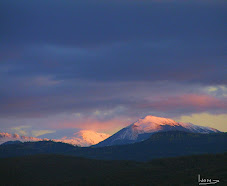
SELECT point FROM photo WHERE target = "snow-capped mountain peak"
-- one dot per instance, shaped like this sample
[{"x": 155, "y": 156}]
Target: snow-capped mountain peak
[
  {"x": 85, "y": 138},
  {"x": 81, "y": 138},
  {"x": 145, "y": 127},
  {"x": 152, "y": 123},
  {"x": 155, "y": 120},
  {"x": 138, "y": 131}
]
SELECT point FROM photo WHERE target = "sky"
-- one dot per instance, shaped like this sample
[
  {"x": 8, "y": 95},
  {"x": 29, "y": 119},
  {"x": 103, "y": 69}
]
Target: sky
[{"x": 100, "y": 65}]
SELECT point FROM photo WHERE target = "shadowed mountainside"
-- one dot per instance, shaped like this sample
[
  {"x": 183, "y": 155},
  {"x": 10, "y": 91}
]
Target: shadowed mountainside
[
  {"x": 144, "y": 128},
  {"x": 159, "y": 145},
  {"x": 67, "y": 170}
]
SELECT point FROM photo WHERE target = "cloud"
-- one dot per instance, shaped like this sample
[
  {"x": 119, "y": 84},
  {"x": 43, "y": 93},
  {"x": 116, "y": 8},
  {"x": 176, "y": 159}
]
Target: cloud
[
  {"x": 136, "y": 60},
  {"x": 22, "y": 130},
  {"x": 103, "y": 64},
  {"x": 37, "y": 133},
  {"x": 219, "y": 91},
  {"x": 218, "y": 121},
  {"x": 109, "y": 126},
  {"x": 105, "y": 100},
  {"x": 190, "y": 103}
]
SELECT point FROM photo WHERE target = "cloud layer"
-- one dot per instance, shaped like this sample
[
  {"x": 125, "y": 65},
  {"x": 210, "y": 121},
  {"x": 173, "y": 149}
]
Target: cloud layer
[{"x": 103, "y": 64}]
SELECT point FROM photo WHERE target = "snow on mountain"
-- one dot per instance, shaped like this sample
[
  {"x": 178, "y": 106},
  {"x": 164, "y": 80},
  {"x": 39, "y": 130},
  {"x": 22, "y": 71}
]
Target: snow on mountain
[
  {"x": 84, "y": 138},
  {"x": 4, "y": 137},
  {"x": 144, "y": 128},
  {"x": 138, "y": 131},
  {"x": 81, "y": 138}
]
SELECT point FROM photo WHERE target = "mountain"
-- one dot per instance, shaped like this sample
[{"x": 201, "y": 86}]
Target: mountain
[
  {"x": 144, "y": 128},
  {"x": 81, "y": 138},
  {"x": 159, "y": 145},
  {"x": 4, "y": 137},
  {"x": 12, "y": 142},
  {"x": 84, "y": 138}
]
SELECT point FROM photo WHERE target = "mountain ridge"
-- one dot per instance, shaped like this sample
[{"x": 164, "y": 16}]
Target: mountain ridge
[
  {"x": 159, "y": 145},
  {"x": 81, "y": 138},
  {"x": 138, "y": 131},
  {"x": 145, "y": 127}
]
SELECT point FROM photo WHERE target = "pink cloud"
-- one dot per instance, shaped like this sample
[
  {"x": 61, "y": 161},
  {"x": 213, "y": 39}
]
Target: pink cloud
[
  {"x": 108, "y": 126},
  {"x": 187, "y": 101}
]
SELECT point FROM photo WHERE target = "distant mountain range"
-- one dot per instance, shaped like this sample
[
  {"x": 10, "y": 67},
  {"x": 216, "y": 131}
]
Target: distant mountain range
[
  {"x": 84, "y": 138},
  {"x": 136, "y": 132},
  {"x": 144, "y": 128},
  {"x": 4, "y": 137},
  {"x": 159, "y": 145},
  {"x": 81, "y": 138},
  {"x": 11, "y": 142}
]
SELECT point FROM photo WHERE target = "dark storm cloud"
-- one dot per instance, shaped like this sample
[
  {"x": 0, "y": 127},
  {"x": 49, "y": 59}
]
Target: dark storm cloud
[
  {"x": 82, "y": 56},
  {"x": 128, "y": 40},
  {"x": 124, "y": 61}
]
